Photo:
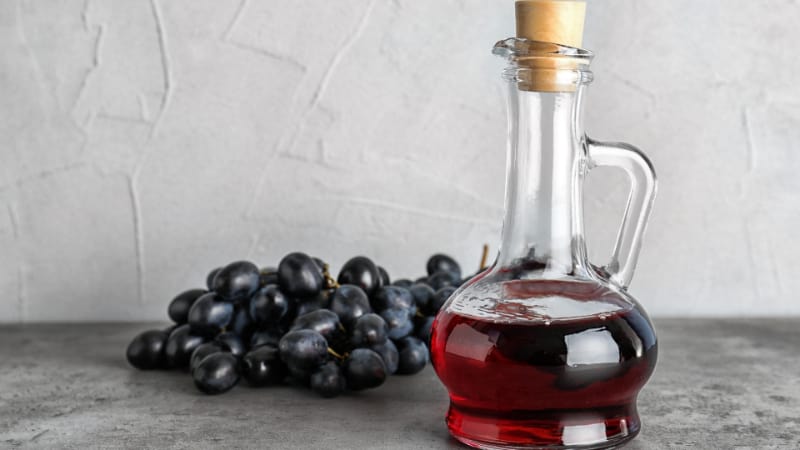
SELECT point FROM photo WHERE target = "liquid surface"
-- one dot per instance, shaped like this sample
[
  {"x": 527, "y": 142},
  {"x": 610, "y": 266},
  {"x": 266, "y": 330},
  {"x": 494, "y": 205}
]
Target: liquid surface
[
  {"x": 542, "y": 301},
  {"x": 535, "y": 363}
]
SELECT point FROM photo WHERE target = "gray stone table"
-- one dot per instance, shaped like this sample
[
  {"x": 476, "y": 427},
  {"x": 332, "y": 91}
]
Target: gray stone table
[{"x": 719, "y": 384}]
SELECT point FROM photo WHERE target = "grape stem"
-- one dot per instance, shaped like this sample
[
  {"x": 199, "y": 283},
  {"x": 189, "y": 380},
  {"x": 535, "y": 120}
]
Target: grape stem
[
  {"x": 484, "y": 256},
  {"x": 337, "y": 355},
  {"x": 330, "y": 282}
]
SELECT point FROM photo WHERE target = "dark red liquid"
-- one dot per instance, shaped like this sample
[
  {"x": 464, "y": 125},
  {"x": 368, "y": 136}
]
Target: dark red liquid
[{"x": 572, "y": 382}]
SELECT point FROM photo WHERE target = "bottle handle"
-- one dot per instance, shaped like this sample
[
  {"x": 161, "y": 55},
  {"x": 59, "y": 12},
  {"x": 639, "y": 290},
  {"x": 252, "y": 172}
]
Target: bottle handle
[{"x": 637, "y": 211}]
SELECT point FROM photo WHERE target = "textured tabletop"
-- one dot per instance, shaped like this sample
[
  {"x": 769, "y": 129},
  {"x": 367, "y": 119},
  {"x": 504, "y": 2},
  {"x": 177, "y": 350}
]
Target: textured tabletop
[{"x": 718, "y": 384}]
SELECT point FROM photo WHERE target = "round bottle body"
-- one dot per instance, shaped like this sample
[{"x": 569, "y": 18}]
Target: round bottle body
[{"x": 536, "y": 363}]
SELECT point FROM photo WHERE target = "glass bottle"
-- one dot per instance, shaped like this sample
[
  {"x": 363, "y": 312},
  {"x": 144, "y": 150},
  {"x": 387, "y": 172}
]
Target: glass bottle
[{"x": 544, "y": 349}]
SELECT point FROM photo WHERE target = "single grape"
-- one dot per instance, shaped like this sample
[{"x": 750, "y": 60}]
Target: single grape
[
  {"x": 180, "y": 345},
  {"x": 210, "y": 278},
  {"x": 393, "y": 297},
  {"x": 364, "y": 369},
  {"x": 403, "y": 282},
  {"x": 323, "y": 321},
  {"x": 442, "y": 263},
  {"x": 237, "y": 280},
  {"x": 423, "y": 294},
  {"x": 269, "y": 305},
  {"x": 328, "y": 381},
  {"x": 204, "y": 350},
  {"x": 216, "y": 373},
  {"x": 443, "y": 279},
  {"x": 299, "y": 276},
  {"x": 369, "y": 329},
  {"x": 241, "y": 323},
  {"x": 320, "y": 263},
  {"x": 146, "y": 350},
  {"x": 178, "y": 309},
  {"x": 349, "y": 302},
  {"x": 303, "y": 349},
  {"x": 399, "y": 322},
  {"x": 439, "y": 299},
  {"x": 362, "y": 272},
  {"x": 389, "y": 354},
  {"x": 423, "y": 327},
  {"x": 314, "y": 303},
  {"x": 413, "y": 355},
  {"x": 210, "y": 314},
  {"x": 265, "y": 337},
  {"x": 300, "y": 376},
  {"x": 262, "y": 366},
  {"x": 385, "y": 280},
  {"x": 232, "y": 343},
  {"x": 267, "y": 275}
]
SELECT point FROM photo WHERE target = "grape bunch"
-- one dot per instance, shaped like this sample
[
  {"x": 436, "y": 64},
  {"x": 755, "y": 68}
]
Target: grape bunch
[{"x": 297, "y": 324}]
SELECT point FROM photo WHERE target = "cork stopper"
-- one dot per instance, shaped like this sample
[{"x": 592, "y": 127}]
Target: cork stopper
[
  {"x": 559, "y": 22},
  {"x": 550, "y": 21}
]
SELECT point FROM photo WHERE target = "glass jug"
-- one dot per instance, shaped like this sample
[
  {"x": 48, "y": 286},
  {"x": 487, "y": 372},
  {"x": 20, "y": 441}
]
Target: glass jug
[{"x": 543, "y": 349}]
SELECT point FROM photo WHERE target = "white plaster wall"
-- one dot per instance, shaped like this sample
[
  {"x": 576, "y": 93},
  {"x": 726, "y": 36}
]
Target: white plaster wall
[{"x": 145, "y": 142}]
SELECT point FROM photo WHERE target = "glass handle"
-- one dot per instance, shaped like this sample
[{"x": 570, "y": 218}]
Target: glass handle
[{"x": 637, "y": 211}]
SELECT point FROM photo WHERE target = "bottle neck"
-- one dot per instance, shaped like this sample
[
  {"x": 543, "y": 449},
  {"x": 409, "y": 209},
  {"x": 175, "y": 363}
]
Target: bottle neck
[{"x": 543, "y": 226}]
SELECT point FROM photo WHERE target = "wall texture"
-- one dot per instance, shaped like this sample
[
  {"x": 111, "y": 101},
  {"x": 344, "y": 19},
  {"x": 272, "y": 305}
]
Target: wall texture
[{"x": 145, "y": 142}]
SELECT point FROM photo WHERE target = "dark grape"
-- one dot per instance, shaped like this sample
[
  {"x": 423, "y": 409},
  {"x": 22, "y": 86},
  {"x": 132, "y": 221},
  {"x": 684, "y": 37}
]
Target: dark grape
[
  {"x": 369, "y": 329},
  {"x": 403, "y": 282},
  {"x": 443, "y": 263},
  {"x": 399, "y": 322},
  {"x": 349, "y": 302},
  {"x": 265, "y": 337},
  {"x": 320, "y": 263},
  {"x": 210, "y": 278},
  {"x": 443, "y": 279},
  {"x": 237, "y": 280},
  {"x": 300, "y": 376},
  {"x": 232, "y": 343},
  {"x": 146, "y": 351},
  {"x": 423, "y": 329},
  {"x": 180, "y": 345},
  {"x": 303, "y": 349},
  {"x": 178, "y": 309},
  {"x": 364, "y": 369},
  {"x": 299, "y": 276},
  {"x": 262, "y": 366},
  {"x": 413, "y": 355},
  {"x": 423, "y": 294},
  {"x": 315, "y": 303},
  {"x": 241, "y": 323},
  {"x": 389, "y": 354},
  {"x": 393, "y": 297},
  {"x": 362, "y": 272},
  {"x": 328, "y": 381},
  {"x": 269, "y": 305},
  {"x": 204, "y": 350},
  {"x": 385, "y": 280},
  {"x": 439, "y": 299},
  {"x": 210, "y": 314},
  {"x": 422, "y": 280},
  {"x": 323, "y": 321},
  {"x": 216, "y": 373},
  {"x": 267, "y": 275}
]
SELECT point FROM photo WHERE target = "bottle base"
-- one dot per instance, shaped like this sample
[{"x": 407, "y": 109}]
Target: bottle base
[{"x": 579, "y": 430}]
